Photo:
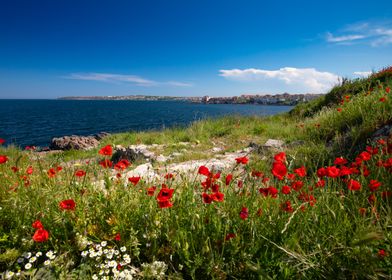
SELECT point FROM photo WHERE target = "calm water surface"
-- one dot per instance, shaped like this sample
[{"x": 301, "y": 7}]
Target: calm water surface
[{"x": 36, "y": 122}]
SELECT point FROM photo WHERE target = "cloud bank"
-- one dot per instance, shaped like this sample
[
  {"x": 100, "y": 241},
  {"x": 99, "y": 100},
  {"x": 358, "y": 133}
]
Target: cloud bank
[
  {"x": 119, "y": 78},
  {"x": 308, "y": 79}
]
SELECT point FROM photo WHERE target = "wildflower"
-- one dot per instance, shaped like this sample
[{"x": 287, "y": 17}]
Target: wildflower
[
  {"x": 228, "y": 179},
  {"x": 229, "y": 236},
  {"x": 242, "y": 160},
  {"x": 339, "y": 109},
  {"x": 3, "y": 159},
  {"x": 165, "y": 204},
  {"x": 320, "y": 183},
  {"x": 80, "y": 173},
  {"x": 169, "y": 176},
  {"x": 279, "y": 170},
  {"x": 106, "y": 163},
  {"x": 372, "y": 198},
  {"x": 123, "y": 249},
  {"x": 165, "y": 194},
  {"x": 68, "y": 204},
  {"x": 134, "y": 180},
  {"x": 203, "y": 170},
  {"x": 365, "y": 156},
  {"x": 218, "y": 196},
  {"x": 117, "y": 237},
  {"x": 382, "y": 99},
  {"x": 122, "y": 164},
  {"x": 322, "y": 172},
  {"x": 387, "y": 89},
  {"x": 381, "y": 253},
  {"x": 257, "y": 174},
  {"x": 301, "y": 172},
  {"x": 59, "y": 168},
  {"x": 14, "y": 169},
  {"x": 29, "y": 170},
  {"x": 297, "y": 185},
  {"x": 28, "y": 266},
  {"x": 37, "y": 224},
  {"x": 281, "y": 157},
  {"x": 374, "y": 185},
  {"x": 353, "y": 185},
  {"x": 47, "y": 263},
  {"x": 51, "y": 173},
  {"x": 244, "y": 214},
  {"x": 41, "y": 235},
  {"x": 286, "y": 190},
  {"x": 151, "y": 191},
  {"x": 340, "y": 161},
  {"x": 286, "y": 206},
  {"x": 206, "y": 198},
  {"x": 362, "y": 211},
  {"x": 106, "y": 151},
  {"x": 332, "y": 171},
  {"x": 2, "y": 141}
]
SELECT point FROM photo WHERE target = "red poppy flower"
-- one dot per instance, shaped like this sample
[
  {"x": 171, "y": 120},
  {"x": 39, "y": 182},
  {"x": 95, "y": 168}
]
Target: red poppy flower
[
  {"x": 80, "y": 173},
  {"x": 332, "y": 171},
  {"x": 279, "y": 170},
  {"x": 257, "y": 174},
  {"x": 286, "y": 190},
  {"x": 242, "y": 160},
  {"x": 68, "y": 204},
  {"x": 280, "y": 157},
  {"x": 286, "y": 206},
  {"x": 244, "y": 214},
  {"x": 2, "y": 141},
  {"x": 229, "y": 236},
  {"x": 362, "y": 211},
  {"x": 240, "y": 184},
  {"x": 321, "y": 172},
  {"x": 134, "y": 180},
  {"x": 383, "y": 99},
  {"x": 320, "y": 183},
  {"x": 59, "y": 168},
  {"x": 353, "y": 185},
  {"x": 301, "y": 172},
  {"x": 291, "y": 176},
  {"x": 340, "y": 161},
  {"x": 106, "y": 163},
  {"x": 14, "y": 169},
  {"x": 41, "y": 235},
  {"x": 51, "y": 173},
  {"x": 382, "y": 254},
  {"x": 374, "y": 185},
  {"x": 165, "y": 204},
  {"x": 386, "y": 194},
  {"x": 372, "y": 198},
  {"x": 169, "y": 176},
  {"x": 165, "y": 194},
  {"x": 151, "y": 191},
  {"x": 297, "y": 185},
  {"x": 106, "y": 151},
  {"x": 215, "y": 188},
  {"x": 3, "y": 159},
  {"x": 365, "y": 156},
  {"x": 37, "y": 224},
  {"x": 339, "y": 109},
  {"x": 204, "y": 171},
  {"x": 117, "y": 237},
  {"x": 206, "y": 198},
  {"x": 218, "y": 196},
  {"x": 387, "y": 89},
  {"x": 305, "y": 197},
  {"x": 229, "y": 177},
  {"x": 122, "y": 164}
]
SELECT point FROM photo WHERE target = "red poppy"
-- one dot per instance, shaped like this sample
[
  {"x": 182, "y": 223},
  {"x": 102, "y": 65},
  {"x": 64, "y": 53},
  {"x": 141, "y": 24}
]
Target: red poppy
[
  {"x": 169, "y": 176},
  {"x": 37, "y": 224},
  {"x": 229, "y": 177},
  {"x": 3, "y": 159},
  {"x": 165, "y": 204},
  {"x": 51, "y": 173},
  {"x": 383, "y": 99},
  {"x": 134, "y": 180},
  {"x": 2, "y": 141},
  {"x": 286, "y": 206},
  {"x": 386, "y": 194},
  {"x": 381, "y": 142},
  {"x": 215, "y": 188},
  {"x": 242, "y": 160},
  {"x": 286, "y": 190},
  {"x": 297, "y": 185},
  {"x": 106, "y": 163},
  {"x": 372, "y": 150},
  {"x": 29, "y": 170},
  {"x": 301, "y": 172},
  {"x": 321, "y": 172},
  {"x": 106, "y": 151},
  {"x": 218, "y": 196},
  {"x": 365, "y": 156},
  {"x": 206, "y": 198},
  {"x": 340, "y": 161},
  {"x": 203, "y": 170},
  {"x": 165, "y": 194},
  {"x": 117, "y": 237},
  {"x": 280, "y": 157},
  {"x": 240, "y": 184},
  {"x": 14, "y": 169},
  {"x": 80, "y": 173},
  {"x": 305, "y": 197},
  {"x": 320, "y": 183},
  {"x": 68, "y": 204},
  {"x": 372, "y": 198},
  {"x": 41, "y": 235},
  {"x": 291, "y": 176},
  {"x": 362, "y": 211},
  {"x": 387, "y": 89},
  {"x": 151, "y": 190},
  {"x": 382, "y": 254},
  {"x": 59, "y": 168},
  {"x": 374, "y": 185},
  {"x": 122, "y": 164},
  {"x": 257, "y": 174},
  {"x": 229, "y": 236},
  {"x": 353, "y": 185},
  {"x": 332, "y": 171},
  {"x": 244, "y": 214},
  {"x": 279, "y": 170},
  {"x": 339, "y": 109}
]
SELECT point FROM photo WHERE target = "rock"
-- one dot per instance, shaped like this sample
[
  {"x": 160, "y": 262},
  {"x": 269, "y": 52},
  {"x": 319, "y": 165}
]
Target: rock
[
  {"x": 274, "y": 143},
  {"x": 161, "y": 158},
  {"x": 74, "y": 142},
  {"x": 216, "y": 149},
  {"x": 385, "y": 131},
  {"x": 176, "y": 154},
  {"x": 146, "y": 171},
  {"x": 297, "y": 143},
  {"x": 101, "y": 135},
  {"x": 132, "y": 153}
]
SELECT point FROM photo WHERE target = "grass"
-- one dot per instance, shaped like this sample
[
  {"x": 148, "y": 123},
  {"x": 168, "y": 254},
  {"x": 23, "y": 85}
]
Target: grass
[{"x": 313, "y": 232}]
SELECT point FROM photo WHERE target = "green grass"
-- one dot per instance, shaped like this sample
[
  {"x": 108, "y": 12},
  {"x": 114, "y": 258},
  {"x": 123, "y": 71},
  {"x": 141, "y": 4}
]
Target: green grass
[{"x": 338, "y": 234}]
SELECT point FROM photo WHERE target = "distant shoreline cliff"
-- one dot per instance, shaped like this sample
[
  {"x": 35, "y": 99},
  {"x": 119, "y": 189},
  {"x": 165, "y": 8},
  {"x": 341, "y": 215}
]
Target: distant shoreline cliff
[{"x": 265, "y": 99}]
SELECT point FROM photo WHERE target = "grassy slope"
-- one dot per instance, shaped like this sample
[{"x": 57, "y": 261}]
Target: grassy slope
[{"x": 329, "y": 239}]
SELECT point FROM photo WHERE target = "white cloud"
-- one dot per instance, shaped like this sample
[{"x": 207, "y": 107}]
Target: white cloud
[
  {"x": 374, "y": 34},
  {"x": 362, "y": 73},
  {"x": 115, "y": 78},
  {"x": 306, "y": 79},
  {"x": 346, "y": 38}
]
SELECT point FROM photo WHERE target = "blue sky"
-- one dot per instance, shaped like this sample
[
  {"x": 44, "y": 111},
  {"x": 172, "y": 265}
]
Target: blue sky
[{"x": 59, "y": 48}]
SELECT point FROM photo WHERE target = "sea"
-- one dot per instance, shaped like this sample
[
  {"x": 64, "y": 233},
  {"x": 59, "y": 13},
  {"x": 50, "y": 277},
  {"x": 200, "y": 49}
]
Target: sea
[{"x": 36, "y": 122}]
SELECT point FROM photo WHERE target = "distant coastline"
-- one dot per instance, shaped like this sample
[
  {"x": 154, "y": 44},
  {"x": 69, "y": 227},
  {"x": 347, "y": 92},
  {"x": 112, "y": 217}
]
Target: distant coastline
[{"x": 265, "y": 99}]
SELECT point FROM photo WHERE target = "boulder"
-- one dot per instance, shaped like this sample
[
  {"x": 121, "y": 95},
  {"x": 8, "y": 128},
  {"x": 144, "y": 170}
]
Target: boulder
[
  {"x": 74, "y": 142},
  {"x": 132, "y": 153}
]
